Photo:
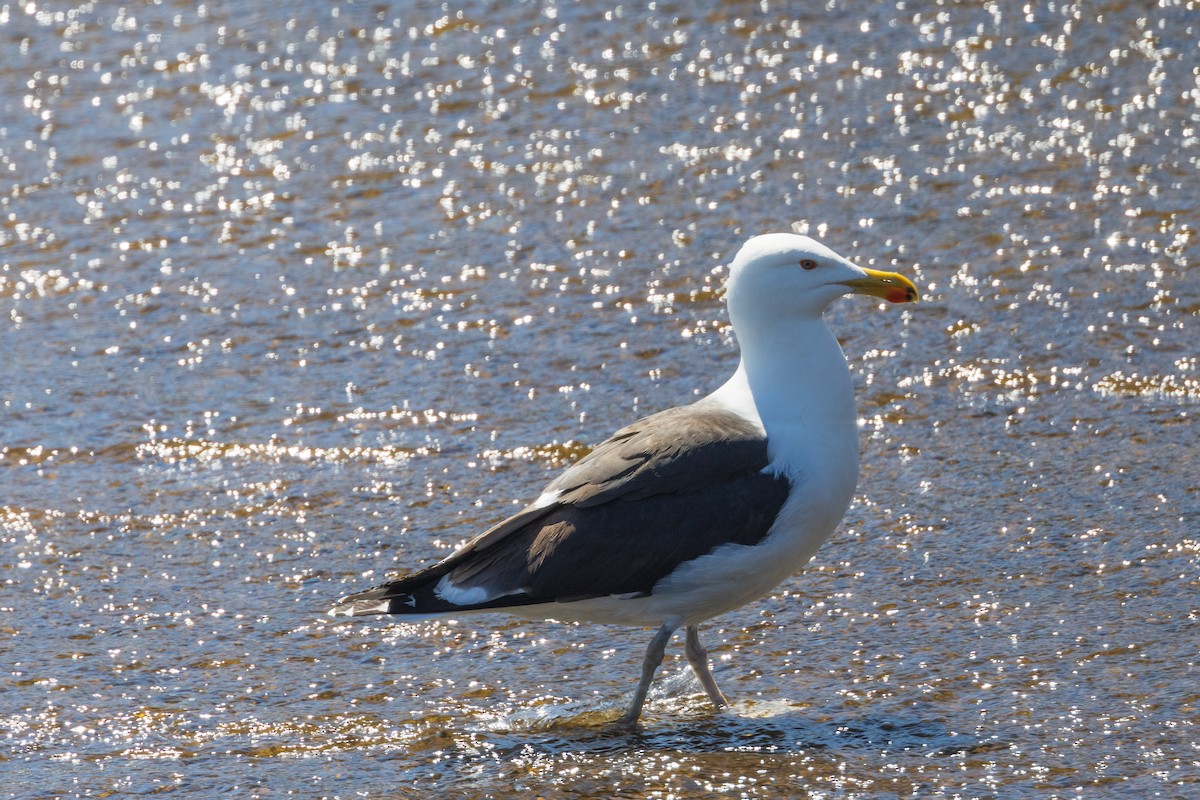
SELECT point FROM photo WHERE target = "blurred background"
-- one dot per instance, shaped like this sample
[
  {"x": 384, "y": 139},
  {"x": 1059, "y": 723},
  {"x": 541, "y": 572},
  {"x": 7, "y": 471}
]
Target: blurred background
[{"x": 296, "y": 298}]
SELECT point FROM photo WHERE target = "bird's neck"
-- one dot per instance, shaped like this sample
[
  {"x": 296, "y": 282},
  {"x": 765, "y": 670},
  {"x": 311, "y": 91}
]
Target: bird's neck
[{"x": 794, "y": 380}]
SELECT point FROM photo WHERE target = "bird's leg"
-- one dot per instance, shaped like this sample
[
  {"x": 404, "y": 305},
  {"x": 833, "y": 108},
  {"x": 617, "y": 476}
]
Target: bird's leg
[
  {"x": 697, "y": 656},
  {"x": 654, "y": 657}
]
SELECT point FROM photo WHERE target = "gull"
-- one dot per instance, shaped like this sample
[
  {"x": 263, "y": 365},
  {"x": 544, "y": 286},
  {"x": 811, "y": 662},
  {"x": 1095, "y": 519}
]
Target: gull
[{"x": 696, "y": 510}]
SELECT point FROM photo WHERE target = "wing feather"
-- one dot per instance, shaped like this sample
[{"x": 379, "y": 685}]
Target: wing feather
[{"x": 667, "y": 489}]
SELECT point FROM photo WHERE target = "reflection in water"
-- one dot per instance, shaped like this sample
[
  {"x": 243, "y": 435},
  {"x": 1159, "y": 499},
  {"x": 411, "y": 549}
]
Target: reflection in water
[{"x": 294, "y": 296}]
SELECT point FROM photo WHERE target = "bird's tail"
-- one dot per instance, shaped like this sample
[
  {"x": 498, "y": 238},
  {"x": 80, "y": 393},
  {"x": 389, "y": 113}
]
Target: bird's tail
[
  {"x": 412, "y": 594},
  {"x": 486, "y": 576},
  {"x": 425, "y": 594}
]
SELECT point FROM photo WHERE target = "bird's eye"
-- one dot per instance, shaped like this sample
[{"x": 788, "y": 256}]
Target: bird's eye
[{"x": 808, "y": 263}]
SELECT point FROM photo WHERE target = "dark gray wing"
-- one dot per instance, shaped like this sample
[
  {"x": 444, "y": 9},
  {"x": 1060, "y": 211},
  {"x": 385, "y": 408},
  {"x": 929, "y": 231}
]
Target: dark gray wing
[
  {"x": 667, "y": 489},
  {"x": 673, "y": 451}
]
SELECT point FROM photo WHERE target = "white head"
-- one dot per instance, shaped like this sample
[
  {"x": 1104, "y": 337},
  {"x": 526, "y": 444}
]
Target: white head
[{"x": 779, "y": 276}]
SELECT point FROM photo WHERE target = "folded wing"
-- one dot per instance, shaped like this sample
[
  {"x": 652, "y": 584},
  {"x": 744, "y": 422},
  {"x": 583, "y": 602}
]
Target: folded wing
[{"x": 666, "y": 490}]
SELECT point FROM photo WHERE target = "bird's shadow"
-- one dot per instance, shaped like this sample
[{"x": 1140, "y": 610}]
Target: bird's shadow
[{"x": 757, "y": 727}]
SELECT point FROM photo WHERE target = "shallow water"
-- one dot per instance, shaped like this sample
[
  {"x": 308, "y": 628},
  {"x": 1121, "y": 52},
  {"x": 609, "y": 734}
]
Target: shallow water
[{"x": 296, "y": 298}]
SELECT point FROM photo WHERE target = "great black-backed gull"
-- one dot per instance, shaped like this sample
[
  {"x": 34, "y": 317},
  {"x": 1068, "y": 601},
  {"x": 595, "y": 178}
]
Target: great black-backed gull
[{"x": 696, "y": 510}]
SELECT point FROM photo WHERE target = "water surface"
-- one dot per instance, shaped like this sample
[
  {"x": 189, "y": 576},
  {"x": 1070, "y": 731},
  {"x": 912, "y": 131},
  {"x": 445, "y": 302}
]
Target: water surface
[{"x": 297, "y": 298}]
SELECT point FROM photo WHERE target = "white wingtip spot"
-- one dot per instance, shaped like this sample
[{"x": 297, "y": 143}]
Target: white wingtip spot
[{"x": 461, "y": 596}]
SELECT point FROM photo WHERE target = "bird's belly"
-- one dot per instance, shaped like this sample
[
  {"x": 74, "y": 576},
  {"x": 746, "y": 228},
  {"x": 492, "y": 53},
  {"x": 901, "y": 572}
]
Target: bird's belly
[{"x": 734, "y": 575}]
